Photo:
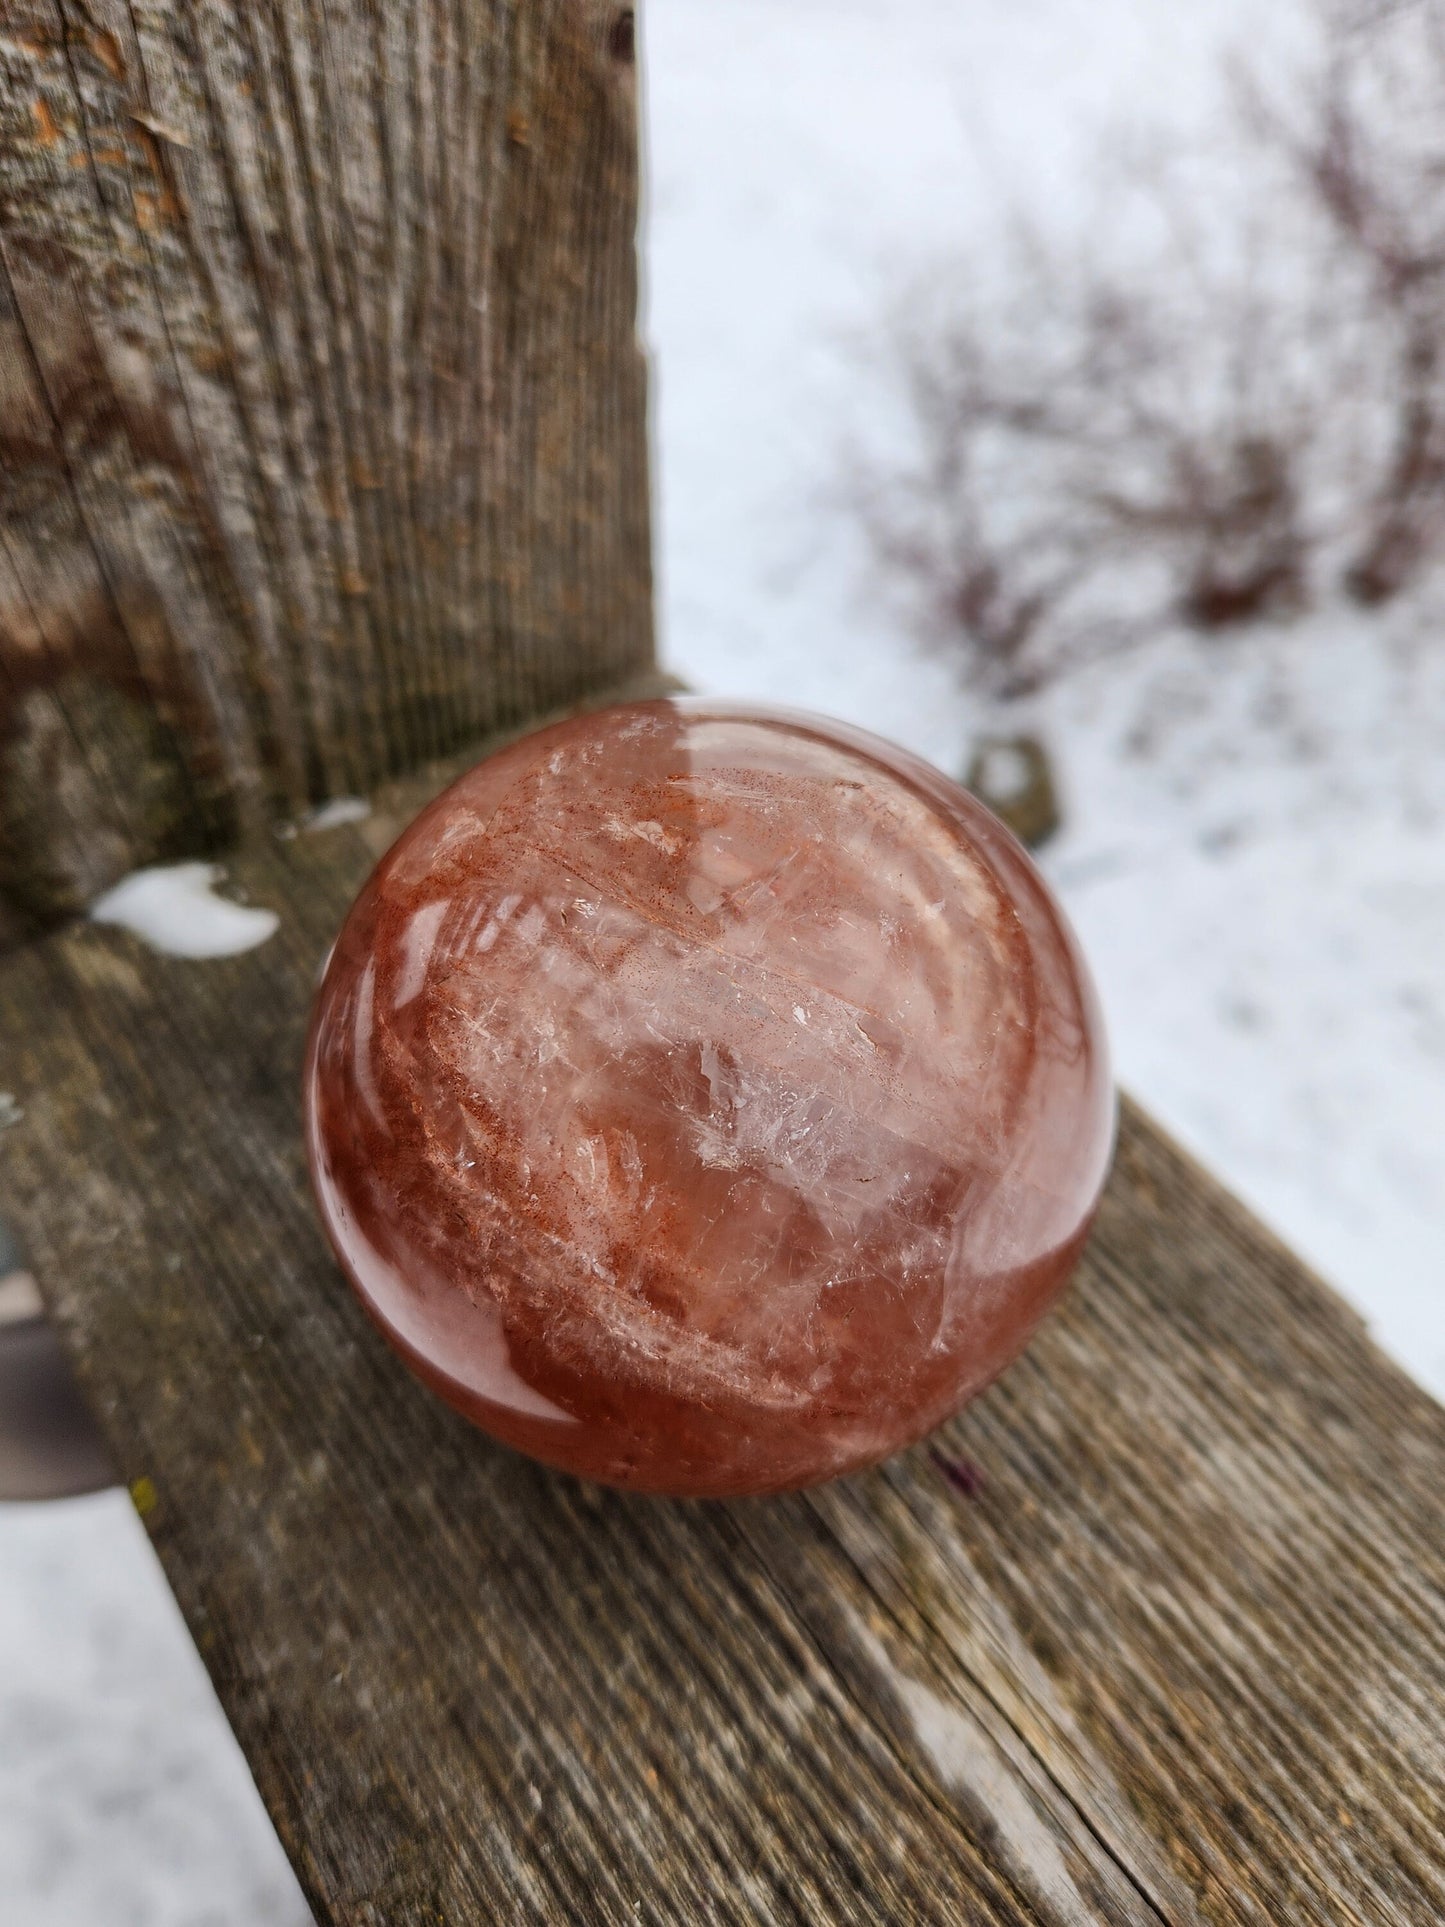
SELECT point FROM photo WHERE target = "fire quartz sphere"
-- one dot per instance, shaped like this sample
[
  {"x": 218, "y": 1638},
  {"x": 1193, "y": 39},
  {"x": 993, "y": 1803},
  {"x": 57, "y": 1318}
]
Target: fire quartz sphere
[{"x": 706, "y": 1099}]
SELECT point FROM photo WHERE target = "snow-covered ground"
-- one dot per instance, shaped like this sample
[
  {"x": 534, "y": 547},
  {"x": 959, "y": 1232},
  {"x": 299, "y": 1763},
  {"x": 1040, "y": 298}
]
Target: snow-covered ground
[
  {"x": 124, "y": 1800},
  {"x": 1264, "y": 902}
]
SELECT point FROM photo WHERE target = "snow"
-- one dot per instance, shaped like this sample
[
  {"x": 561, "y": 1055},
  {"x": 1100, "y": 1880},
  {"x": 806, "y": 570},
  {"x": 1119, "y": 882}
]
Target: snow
[
  {"x": 124, "y": 1800},
  {"x": 1263, "y": 901},
  {"x": 174, "y": 908},
  {"x": 341, "y": 809},
  {"x": 1268, "y": 940}
]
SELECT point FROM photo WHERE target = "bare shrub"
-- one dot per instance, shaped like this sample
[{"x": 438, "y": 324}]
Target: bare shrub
[
  {"x": 986, "y": 564},
  {"x": 1365, "y": 141},
  {"x": 1217, "y": 419},
  {"x": 1196, "y": 442},
  {"x": 1089, "y": 454}
]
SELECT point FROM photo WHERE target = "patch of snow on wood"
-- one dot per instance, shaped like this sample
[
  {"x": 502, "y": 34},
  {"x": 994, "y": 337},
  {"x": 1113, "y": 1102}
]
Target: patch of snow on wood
[
  {"x": 174, "y": 908},
  {"x": 341, "y": 809}
]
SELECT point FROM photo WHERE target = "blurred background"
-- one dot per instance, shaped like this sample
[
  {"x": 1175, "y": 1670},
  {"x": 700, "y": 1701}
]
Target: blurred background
[{"x": 1059, "y": 391}]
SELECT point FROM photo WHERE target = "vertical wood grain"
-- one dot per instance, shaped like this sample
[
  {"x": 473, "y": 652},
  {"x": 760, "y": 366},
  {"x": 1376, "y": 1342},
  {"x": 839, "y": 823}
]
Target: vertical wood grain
[{"x": 322, "y": 414}]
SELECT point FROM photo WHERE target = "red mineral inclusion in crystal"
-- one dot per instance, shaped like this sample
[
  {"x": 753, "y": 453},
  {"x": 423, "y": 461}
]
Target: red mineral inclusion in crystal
[{"x": 705, "y": 1099}]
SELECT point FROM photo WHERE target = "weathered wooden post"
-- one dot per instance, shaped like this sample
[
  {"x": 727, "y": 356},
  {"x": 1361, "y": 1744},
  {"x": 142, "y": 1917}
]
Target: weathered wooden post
[{"x": 322, "y": 414}]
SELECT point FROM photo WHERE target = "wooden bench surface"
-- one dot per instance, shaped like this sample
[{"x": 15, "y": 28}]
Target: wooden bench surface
[{"x": 1154, "y": 1632}]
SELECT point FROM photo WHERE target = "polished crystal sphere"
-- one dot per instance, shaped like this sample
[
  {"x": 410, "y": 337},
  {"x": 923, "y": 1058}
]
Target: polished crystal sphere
[{"x": 706, "y": 1100}]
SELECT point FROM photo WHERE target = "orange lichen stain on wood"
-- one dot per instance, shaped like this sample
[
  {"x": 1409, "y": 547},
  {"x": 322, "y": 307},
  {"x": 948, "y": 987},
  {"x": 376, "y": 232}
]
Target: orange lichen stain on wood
[
  {"x": 106, "y": 48},
  {"x": 37, "y": 43},
  {"x": 162, "y": 204},
  {"x": 519, "y": 128},
  {"x": 154, "y": 210},
  {"x": 47, "y": 128},
  {"x": 353, "y": 582}
]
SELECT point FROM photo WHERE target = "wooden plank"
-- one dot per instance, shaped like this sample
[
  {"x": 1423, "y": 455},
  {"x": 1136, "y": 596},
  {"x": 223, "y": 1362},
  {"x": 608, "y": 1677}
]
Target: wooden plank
[{"x": 1154, "y": 1632}]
